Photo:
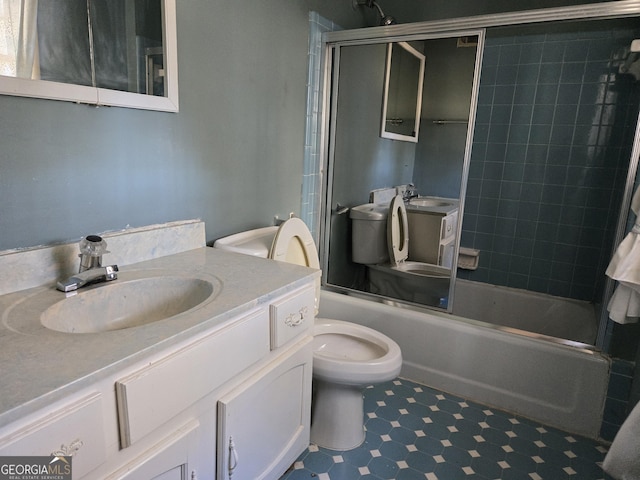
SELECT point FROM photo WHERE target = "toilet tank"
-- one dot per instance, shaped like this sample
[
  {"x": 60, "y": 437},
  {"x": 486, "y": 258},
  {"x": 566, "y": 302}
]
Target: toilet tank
[
  {"x": 252, "y": 242},
  {"x": 369, "y": 234}
]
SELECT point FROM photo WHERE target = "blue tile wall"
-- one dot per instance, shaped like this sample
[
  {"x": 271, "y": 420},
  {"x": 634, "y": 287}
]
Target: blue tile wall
[{"x": 553, "y": 137}]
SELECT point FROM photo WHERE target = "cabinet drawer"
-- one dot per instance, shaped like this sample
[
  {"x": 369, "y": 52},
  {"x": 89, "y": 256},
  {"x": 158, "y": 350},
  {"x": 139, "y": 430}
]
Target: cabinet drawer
[
  {"x": 76, "y": 429},
  {"x": 158, "y": 392},
  {"x": 449, "y": 224},
  {"x": 445, "y": 256},
  {"x": 291, "y": 316}
]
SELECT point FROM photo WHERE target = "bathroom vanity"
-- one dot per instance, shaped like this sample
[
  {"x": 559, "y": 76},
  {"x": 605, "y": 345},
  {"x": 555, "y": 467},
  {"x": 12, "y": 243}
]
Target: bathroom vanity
[
  {"x": 219, "y": 390},
  {"x": 433, "y": 223}
]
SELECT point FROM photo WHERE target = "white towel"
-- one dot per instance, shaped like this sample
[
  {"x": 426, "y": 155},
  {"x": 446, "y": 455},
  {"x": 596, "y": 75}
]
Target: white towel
[
  {"x": 624, "y": 306},
  {"x": 623, "y": 459}
]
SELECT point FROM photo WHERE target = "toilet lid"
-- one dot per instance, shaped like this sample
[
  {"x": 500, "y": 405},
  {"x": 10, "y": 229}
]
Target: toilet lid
[
  {"x": 293, "y": 243},
  {"x": 397, "y": 231}
]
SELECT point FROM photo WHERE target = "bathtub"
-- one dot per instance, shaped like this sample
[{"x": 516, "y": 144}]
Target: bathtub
[
  {"x": 555, "y": 384},
  {"x": 533, "y": 312}
]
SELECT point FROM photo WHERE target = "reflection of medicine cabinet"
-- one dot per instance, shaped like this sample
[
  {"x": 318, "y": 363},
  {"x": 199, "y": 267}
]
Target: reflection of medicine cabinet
[{"x": 402, "y": 101}]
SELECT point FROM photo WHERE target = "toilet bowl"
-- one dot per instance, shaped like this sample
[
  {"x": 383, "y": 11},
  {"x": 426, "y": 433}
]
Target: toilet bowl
[
  {"x": 346, "y": 356},
  {"x": 351, "y": 354},
  {"x": 391, "y": 274}
]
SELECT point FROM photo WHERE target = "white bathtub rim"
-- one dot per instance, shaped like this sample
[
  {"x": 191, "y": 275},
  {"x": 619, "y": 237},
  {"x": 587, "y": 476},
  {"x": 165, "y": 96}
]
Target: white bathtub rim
[{"x": 423, "y": 309}]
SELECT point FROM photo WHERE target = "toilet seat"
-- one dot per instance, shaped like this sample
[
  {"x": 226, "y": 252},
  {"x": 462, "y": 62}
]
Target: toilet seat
[
  {"x": 398, "y": 244},
  {"x": 352, "y": 354},
  {"x": 293, "y": 243},
  {"x": 397, "y": 232}
]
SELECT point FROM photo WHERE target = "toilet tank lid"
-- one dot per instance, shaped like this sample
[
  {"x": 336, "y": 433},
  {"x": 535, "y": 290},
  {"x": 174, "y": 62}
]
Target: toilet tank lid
[{"x": 370, "y": 211}]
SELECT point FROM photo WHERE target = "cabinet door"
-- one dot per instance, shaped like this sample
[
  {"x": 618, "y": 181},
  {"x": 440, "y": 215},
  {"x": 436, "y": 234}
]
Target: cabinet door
[
  {"x": 424, "y": 236},
  {"x": 168, "y": 459},
  {"x": 263, "y": 425}
]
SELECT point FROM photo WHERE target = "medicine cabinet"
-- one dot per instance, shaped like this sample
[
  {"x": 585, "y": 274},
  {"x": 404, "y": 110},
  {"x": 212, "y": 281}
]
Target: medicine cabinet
[
  {"x": 402, "y": 101},
  {"x": 102, "y": 52}
]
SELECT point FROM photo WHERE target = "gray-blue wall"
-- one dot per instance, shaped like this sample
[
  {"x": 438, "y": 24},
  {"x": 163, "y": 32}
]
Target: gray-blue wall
[{"x": 232, "y": 156}]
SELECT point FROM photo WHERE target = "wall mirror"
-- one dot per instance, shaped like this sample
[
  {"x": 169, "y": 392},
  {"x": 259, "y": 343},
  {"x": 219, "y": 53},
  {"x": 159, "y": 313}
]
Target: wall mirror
[
  {"x": 362, "y": 160},
  {"x": 402, "y": 100},
  {"x": 102, "y": 52}
]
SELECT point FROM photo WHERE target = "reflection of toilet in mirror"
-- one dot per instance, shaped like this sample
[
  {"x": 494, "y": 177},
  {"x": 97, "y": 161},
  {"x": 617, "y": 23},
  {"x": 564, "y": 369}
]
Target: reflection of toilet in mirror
[
  {"x": 346, "y": 356},
  {"x": 380, "y": 240}
]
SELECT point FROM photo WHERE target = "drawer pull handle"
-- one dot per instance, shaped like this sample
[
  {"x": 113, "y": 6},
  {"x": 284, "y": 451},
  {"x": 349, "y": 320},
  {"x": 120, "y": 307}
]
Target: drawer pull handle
[
  {"x": 233, "y": 457},
  {"x": 295, "y": 319},
  {"x": 68, "y": 450}
]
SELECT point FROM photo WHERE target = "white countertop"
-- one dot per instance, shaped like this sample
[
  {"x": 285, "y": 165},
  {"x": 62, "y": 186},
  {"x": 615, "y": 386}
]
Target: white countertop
[{"x": 40, "y": 366}]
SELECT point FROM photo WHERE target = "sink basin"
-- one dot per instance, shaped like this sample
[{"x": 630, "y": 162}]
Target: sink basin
[
  {"x": 429, "y": 202},
  {"x": 126, "y": 304}
]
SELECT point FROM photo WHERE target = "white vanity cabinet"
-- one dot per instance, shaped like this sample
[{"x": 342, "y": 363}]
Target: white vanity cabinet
[
  {"x": 174, "y": 414},
  {"x": 432, "y": 236},
  {"x": 253, "y": 375}
]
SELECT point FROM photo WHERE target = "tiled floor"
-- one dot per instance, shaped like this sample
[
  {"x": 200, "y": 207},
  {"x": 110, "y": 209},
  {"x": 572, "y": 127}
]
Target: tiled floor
[{"x": 415, "y": 432}]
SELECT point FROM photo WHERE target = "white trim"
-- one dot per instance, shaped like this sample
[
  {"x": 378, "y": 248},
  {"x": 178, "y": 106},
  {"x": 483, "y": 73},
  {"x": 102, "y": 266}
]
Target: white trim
[{"x": 22, "y": 87}]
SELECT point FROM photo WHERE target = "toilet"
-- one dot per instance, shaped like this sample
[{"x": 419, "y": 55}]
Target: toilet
[
  {"x": 346, "y": 356},
  {"x": 380, "y": 240}
]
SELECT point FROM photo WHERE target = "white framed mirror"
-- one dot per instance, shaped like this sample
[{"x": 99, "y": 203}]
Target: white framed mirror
[
  {"x": 102, "y": 52},
  {"x": 402, "y": 101}
]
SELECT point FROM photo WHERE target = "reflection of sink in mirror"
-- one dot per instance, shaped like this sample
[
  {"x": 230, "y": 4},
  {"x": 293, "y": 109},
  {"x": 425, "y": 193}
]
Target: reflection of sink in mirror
[
  {"x": 430, "y": 202},
  {"x": 127, "y": 304}
]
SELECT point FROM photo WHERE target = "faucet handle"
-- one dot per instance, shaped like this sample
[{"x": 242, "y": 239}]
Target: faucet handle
[{"x": 92, "y": 247}]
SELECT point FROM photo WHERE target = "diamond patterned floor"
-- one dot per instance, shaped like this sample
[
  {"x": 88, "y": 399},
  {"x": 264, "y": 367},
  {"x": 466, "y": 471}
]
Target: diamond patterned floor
[{"x": 415, "y": 432}]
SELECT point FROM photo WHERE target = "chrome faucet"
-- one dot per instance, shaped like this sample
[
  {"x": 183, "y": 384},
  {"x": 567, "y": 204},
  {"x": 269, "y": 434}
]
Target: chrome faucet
[
  {"x": 91, "y": 270},
  {"x": 410, "y": 192},
  {"x": 88, "y": 277}
]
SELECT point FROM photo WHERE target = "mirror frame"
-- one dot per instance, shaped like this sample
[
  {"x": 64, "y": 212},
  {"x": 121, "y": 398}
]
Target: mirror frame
[
  {"x": 384, "y": 133},
  {"x": 330, "y": 92},
  {"x": 24, "y": 87}
]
